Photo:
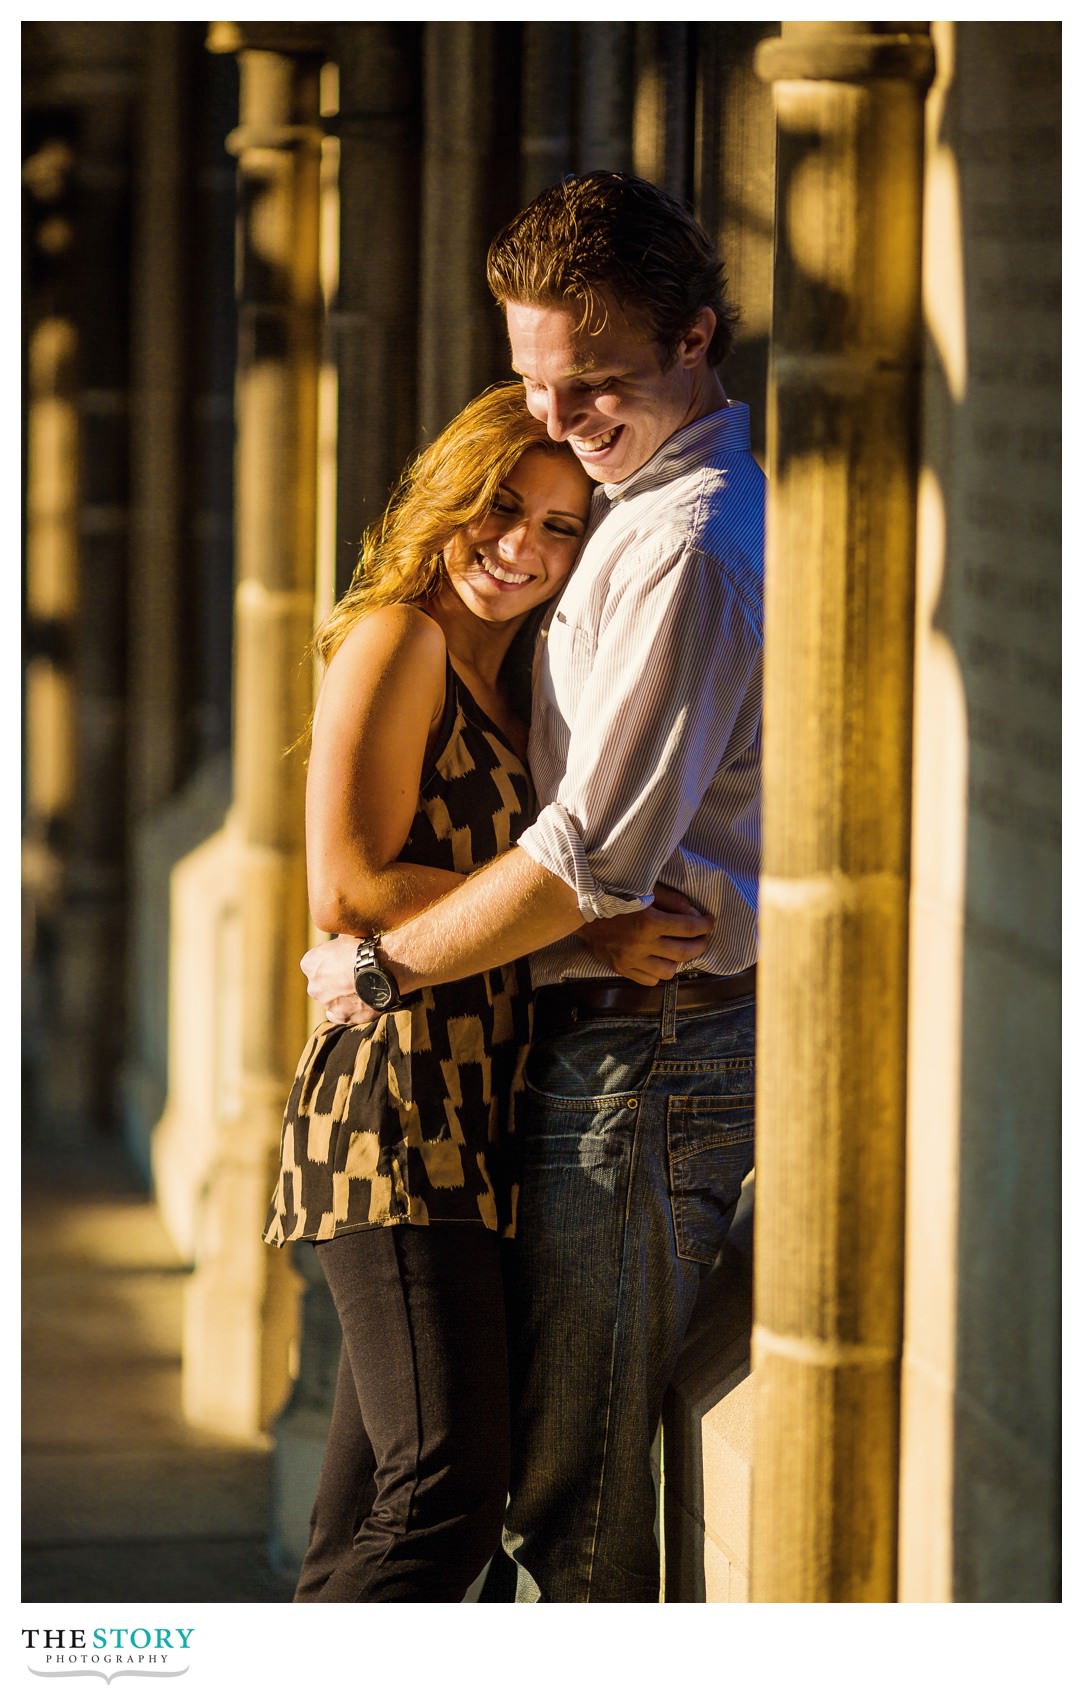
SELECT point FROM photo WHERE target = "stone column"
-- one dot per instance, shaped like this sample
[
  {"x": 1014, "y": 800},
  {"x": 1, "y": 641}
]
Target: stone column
[
  {"x": 372, "y": 344},
  {"x": 663, "y": 110},
  {"x": 180, "y": 603},
  {"x": 604, "y": 97},
  {"x": 549, "y": 53},
  {"x": 980, "y": 1516},
  {"x": 470, "y": 188},
  {"x": 839, "y": 621},
  {"x": 161, "y": 359},
  {"x": 373, "y": 321},
  {"x": 79, "y": 83},
  {"x": 87, "y": 1029},
  {"x": 159, "y": 591},
  {"x": 51, "y": 583},
  {"x": 213, "y": 310},
  {"x": 734, "y": 176},
  {"x": 240, "y": 1315}
]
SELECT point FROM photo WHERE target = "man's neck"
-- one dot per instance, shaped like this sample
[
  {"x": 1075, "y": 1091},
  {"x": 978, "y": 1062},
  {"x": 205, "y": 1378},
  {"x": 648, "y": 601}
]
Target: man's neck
[
  {"x": 710, "y": 398},
  {"x": 713, "y": 397}
]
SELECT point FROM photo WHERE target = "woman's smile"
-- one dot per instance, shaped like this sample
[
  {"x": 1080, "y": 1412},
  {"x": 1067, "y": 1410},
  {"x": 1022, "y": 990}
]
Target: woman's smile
[{"x": 523, "y": 550}]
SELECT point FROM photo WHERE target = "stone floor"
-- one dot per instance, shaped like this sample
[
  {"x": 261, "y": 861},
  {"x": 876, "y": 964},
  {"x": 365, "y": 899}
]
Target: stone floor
[{"x": 122, "y": 1500}]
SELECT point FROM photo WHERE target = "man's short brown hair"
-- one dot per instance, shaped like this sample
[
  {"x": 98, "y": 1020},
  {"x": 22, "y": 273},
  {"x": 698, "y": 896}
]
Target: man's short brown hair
[{"x": 606, "y": 232}]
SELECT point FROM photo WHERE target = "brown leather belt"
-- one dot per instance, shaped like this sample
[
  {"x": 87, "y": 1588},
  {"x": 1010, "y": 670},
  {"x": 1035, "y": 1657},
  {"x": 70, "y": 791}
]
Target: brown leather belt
[{"x": 579, "y": 1000}]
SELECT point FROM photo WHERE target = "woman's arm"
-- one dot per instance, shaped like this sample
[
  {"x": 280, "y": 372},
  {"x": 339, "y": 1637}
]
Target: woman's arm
[
  {"x": 536, "y": 908},
  {"x": 381, "y": 699}
]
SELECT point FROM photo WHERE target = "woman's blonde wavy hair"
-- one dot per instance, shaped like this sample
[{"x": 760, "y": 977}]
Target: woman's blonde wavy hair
[{"x": 448, "y": 486}]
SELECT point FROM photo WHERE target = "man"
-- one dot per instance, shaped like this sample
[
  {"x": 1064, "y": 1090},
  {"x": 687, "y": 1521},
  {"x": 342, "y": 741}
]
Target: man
[{"x": 645, "y": 749}]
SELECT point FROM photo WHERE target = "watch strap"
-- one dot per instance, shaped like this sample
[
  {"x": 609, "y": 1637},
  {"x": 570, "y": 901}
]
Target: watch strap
[{"x": 367, "y": 966}]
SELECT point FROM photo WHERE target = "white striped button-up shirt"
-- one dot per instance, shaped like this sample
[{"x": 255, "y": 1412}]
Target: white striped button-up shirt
[{"x": 645, "y": 734}]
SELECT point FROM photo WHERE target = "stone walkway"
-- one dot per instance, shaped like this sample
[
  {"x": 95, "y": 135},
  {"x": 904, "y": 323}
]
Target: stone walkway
[{"x": 122, "y": 1499}]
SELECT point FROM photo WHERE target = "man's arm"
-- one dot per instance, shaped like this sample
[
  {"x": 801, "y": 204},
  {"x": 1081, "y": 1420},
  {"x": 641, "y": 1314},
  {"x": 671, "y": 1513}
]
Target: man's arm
[
  {"x": 509, "y": 908},
  {"x": 504, "y": 910},
  {"x": 661, "y": 734},
  {"x": 653, "y": 715}
]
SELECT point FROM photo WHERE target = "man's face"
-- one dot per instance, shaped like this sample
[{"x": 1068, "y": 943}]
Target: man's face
[{"x": 606, "y": 393}]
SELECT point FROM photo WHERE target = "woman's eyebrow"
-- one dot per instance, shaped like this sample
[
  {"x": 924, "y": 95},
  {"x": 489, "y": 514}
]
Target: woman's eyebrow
[{"x": 563, "y": 513}]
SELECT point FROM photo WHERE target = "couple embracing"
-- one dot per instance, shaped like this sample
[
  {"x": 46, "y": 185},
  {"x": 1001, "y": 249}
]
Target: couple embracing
[{"x": 519, "y": 1137}]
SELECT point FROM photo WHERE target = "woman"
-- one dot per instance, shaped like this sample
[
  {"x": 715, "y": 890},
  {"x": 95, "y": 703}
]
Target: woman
[{"x": 393, "y": 1148}]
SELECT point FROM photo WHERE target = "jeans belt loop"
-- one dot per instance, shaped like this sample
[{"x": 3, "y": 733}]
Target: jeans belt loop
[{"x": 669, "y": 1011}]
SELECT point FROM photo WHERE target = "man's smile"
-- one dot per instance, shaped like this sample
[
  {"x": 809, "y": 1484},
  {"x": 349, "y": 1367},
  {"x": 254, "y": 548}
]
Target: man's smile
[{"x": 595, "y": 445}]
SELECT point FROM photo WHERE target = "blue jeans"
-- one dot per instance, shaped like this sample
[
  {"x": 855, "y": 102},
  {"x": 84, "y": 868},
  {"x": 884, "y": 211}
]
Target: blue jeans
[{"x": 637, "y": 1137}]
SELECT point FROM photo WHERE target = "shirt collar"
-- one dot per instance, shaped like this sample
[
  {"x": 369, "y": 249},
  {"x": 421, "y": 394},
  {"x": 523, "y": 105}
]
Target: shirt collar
[{"x": 726, "y": 428}]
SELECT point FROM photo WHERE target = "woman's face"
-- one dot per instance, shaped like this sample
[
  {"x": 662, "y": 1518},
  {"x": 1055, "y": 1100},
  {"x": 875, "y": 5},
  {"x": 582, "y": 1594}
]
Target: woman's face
[{"x": 523, "y": 550}]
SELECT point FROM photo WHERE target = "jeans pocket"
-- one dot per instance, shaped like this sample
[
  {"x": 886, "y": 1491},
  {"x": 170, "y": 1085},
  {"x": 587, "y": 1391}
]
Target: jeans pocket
[
  {"x": 592, "y": 1137},
  {"x": 711, "y": 1146},
  {"x": 593, "y": 1063}
]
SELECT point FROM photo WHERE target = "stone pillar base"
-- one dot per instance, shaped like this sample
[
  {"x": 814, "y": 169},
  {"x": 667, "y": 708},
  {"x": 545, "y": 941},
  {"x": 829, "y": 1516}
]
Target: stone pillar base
[
  {"x": 300, "y": 1431},
  {"x": 240, "y": 1312},
  {"x": 204, "y": 994}
]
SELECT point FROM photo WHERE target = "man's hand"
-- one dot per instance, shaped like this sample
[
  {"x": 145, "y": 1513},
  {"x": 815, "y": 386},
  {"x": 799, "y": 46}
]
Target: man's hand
[
  {"x": 329, "y": 970},
  {"x": 650, "y": 944}
]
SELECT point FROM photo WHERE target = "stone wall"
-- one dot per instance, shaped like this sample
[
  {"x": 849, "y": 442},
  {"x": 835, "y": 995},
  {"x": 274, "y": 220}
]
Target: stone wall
[{"x": 980, "y": 1476}]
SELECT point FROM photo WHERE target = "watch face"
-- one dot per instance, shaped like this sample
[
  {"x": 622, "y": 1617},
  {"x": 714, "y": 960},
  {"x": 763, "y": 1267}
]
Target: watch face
[{"x": 375, "y": 988}]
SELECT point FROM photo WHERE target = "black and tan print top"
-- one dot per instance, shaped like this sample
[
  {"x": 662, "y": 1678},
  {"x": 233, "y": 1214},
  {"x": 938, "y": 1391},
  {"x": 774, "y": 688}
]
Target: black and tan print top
[{"x": 405, "y": 1119}]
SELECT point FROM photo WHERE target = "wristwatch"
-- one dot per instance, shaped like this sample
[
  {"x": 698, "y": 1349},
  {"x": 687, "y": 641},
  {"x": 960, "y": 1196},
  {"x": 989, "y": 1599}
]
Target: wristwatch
[{"x": 372, "y": 983}]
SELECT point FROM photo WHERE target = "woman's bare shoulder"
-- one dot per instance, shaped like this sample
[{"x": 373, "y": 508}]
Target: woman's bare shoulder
[
  {"x": 400, "y": 633},
  {"x": 400, "y": 626}
]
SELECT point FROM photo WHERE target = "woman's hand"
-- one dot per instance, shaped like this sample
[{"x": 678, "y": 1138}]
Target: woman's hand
[
  {"x": 650, "y": 944},
  {"x": 329, "y": 970}
]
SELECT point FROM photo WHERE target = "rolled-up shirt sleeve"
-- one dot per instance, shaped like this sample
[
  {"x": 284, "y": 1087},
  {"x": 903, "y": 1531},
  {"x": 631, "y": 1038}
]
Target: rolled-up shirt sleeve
[{"x": 652, "y": 707}]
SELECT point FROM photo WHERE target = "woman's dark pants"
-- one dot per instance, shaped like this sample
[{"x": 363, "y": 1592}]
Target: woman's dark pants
[{"x": 414, "y": 1480}]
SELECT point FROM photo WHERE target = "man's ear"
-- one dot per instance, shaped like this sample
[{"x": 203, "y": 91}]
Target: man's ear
[{"x": 693, "y": 346}]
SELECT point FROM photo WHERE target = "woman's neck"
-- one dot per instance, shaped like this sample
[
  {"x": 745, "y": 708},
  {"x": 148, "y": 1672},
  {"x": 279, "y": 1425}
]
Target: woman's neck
[
  {"x": 473, "y": 645},
  {"x": 477, "y": 651}
]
